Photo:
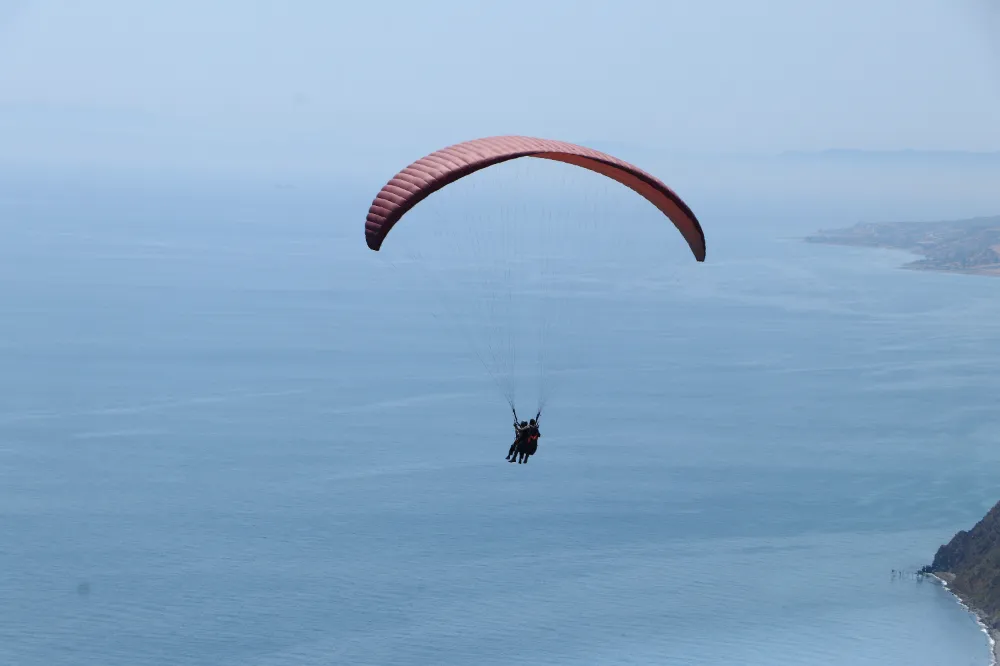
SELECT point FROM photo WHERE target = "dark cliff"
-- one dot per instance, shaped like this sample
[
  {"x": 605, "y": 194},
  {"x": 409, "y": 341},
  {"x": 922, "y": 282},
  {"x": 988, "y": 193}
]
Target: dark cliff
[{"x": 973, "y": 560}]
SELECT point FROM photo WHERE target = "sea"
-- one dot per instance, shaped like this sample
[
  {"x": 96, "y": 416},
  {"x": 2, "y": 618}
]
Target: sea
[{"x": 230, "y": 436}]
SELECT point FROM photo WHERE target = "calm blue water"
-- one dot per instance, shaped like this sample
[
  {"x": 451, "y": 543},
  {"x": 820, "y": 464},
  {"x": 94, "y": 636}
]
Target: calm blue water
[{"x": 228, "y": 438}]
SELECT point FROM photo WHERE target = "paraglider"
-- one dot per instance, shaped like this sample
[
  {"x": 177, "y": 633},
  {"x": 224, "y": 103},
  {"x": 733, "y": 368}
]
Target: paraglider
[
  {"x": 443, "y": 167},
  {"x": 439, "y": 169}
]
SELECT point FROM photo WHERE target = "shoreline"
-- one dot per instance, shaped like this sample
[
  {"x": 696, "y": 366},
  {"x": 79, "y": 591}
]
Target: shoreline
[
  {"x": 985, "y": 272},
  {"x": 992, "y": 636},
  {"x": 968, "y": 246},
  {"x": 989, "y": 270}
]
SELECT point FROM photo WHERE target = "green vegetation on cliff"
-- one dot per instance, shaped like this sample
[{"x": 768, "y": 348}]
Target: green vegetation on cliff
[{"x": 970, "y": 562}]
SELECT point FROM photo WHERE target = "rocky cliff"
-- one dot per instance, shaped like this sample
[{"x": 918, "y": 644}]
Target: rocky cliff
[{"x": 970, "y": 562}]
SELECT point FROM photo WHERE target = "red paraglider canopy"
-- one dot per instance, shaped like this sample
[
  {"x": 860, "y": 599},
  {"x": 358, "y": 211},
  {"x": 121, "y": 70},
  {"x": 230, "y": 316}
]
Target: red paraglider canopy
[{"x": 433, "y": 172}]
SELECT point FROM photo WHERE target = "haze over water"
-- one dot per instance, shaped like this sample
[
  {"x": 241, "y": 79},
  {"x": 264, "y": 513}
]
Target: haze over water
[
  {"x": 231, "y": 435},
  {"x": 228, "y": 436}
]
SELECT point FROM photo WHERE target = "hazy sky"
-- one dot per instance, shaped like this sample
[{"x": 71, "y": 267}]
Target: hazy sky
[{"x": 295, "y": 82}]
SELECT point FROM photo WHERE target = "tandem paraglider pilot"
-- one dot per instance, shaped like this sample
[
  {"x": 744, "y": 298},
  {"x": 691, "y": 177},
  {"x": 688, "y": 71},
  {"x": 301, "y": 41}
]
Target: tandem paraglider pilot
[{"x": 525, "y": 444}]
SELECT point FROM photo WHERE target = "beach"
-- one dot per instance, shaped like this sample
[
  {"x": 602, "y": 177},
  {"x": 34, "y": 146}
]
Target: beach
[{"x": 992, "y": 635}]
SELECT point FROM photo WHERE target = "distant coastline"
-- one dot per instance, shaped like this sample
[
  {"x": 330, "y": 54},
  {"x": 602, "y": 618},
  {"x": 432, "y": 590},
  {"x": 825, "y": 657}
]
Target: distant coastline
[{"x": 969, "y": 246}]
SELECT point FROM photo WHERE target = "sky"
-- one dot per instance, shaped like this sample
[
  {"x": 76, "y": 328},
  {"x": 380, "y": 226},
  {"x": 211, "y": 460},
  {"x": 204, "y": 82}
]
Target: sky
[{"x": 319, "y": 85}]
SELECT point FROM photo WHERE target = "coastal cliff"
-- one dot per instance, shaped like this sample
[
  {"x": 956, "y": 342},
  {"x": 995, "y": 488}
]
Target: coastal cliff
[
  {"x": 969, "y": 565},
  {"x": 963, "y": 246}
]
